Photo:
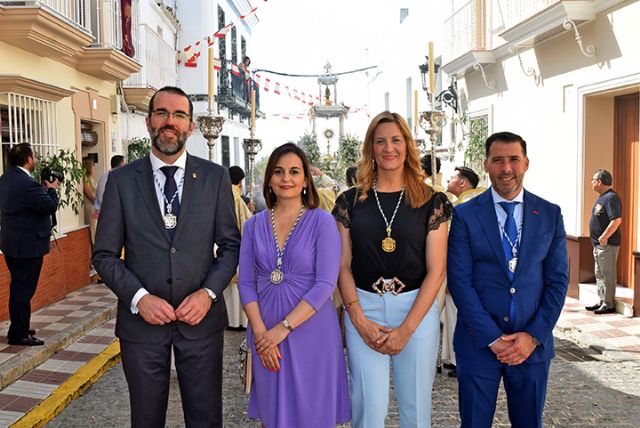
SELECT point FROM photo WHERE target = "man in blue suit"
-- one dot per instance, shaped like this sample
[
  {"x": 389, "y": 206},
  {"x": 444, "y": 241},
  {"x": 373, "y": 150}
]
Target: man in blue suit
[
  {"x": 508, "y": 274},
  {"x": 25, "y": 231}
]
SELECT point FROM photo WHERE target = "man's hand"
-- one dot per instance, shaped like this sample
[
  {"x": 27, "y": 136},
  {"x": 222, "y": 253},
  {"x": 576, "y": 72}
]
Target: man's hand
[
  {"x": 155, "y": 310},
  {"x": 315, "y": 170},
  {"x": 499, "y": 346},
  {"x": 603, "y": 241},
  {"x": 194, "y": 307},
  {"x": 51, "y": 184},
  {"x": 521, "y": 346}
]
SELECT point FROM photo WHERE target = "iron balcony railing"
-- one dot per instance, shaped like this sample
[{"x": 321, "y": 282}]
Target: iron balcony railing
[
  {"x": 513, "y": 12},
  {"x": 466, "y": 30},
  {"x": 158, "y": 60}
]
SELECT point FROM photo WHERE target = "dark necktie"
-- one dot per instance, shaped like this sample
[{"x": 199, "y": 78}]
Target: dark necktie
[
  {"x": 510, "y": 232},
  {"x": 170, "y": 190}
]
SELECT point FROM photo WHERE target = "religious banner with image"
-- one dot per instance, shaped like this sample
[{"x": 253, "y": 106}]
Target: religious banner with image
[{"x": 127, "y": 40}]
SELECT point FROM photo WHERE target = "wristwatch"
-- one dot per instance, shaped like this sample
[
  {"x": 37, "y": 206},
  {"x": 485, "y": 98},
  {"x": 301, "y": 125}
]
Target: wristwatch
[
  {"x": 211, "y": 294},
  {"x": 287, "y": 325}
]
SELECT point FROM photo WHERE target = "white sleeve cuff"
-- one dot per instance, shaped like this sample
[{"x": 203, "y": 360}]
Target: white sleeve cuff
[{"x": 136, "y": 298}]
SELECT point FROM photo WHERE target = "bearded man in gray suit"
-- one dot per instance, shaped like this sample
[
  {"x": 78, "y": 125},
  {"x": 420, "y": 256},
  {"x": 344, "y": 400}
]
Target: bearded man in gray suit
[{"x": 167, "y": 211}]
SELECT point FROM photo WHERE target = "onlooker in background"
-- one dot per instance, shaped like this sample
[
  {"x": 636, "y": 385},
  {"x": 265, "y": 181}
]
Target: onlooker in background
[
  {"x": 350, "y": 176},
  {"x": 245, "y": 74},
  {"x": 26, "y": 208},
  {"x": 235, "y": 312},
  {"x": 605, "y": 238},
  {"x": 463, "y": 185},
  {"x": 116, "y": 162},
  {"x": 89, "y": 191},
  {"x": 325, "y": 185},
  {"x": 426, "y": 167}
]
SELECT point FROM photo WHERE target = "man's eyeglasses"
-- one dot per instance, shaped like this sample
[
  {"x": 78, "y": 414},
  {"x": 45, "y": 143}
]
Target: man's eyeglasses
[{"x": 178, "y": 116}]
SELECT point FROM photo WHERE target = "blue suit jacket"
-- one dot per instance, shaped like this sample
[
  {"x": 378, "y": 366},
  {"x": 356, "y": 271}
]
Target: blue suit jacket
[
  {"x": 25, "y": 221},
  {"x": 478, "y": 282}
]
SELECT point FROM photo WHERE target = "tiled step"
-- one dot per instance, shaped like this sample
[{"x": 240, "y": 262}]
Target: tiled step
[{"x": 588, "y": 295}]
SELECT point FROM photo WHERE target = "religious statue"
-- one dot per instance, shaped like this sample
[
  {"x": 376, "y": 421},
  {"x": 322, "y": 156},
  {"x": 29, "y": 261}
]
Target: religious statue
[{"x": 327, "y": 96}]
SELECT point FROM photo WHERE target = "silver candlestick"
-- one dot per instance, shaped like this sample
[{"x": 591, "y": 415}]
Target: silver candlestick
[
  {"x": 251, "y": 147},
  {"x": 432, "y": 122},
  {"x": 211, "y": 127}
]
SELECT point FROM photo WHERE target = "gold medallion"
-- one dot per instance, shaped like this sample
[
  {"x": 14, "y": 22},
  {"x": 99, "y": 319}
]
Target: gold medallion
[
  {"x": 276, "y": 276},
  {"x": 388, "y": 244}
]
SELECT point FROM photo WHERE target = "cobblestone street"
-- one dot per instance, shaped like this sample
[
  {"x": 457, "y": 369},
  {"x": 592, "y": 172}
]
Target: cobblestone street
[{"x": 583, "y": 392}]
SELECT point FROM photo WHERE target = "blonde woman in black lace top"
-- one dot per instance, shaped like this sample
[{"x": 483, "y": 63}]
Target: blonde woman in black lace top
[{"x": 394, "y": 240}]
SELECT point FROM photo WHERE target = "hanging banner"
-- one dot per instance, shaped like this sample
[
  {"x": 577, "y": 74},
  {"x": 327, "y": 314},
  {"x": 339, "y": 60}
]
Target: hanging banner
[{"x": 127, "y": 41}]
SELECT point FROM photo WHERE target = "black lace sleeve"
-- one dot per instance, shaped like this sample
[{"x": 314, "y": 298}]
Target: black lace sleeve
[
  {"x": 341, "y": 210},
  {"x": 440, "y": 212}
]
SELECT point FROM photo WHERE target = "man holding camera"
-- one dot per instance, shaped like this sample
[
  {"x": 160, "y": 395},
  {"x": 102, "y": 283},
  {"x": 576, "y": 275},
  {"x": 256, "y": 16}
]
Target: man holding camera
[{"x": 25, "y": 231}]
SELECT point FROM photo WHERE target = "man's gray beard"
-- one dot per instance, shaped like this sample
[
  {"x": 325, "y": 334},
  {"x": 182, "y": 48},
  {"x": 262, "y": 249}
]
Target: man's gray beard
[{"x": 166, "y": 150}]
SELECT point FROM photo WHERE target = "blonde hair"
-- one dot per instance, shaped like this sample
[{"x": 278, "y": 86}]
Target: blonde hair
[{"x": 417, "y": 192}]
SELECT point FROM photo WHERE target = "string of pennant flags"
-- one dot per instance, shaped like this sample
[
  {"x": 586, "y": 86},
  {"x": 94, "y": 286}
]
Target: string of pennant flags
[{"x": 189, "y": 55}]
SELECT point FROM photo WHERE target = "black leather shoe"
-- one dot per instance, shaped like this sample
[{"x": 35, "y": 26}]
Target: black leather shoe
[
  {"x": 593, "y": 307},
  {"x": 26, "y": 341},
  {"x": 605, "y": 310},
  {"x": 31, "y": 332},
  {"x": 449, "y": 366}
]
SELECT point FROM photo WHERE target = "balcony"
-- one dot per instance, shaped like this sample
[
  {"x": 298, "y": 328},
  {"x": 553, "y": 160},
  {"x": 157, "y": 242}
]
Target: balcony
[
  {"x": 528, "y": 22},
  {"x": 468, "y": 39},
  {"x": 84, "y": 34},
  {"x": 50, "y": 28},
  {"x": 104, "y": 58},
  {"x": 158, "y": 68},
  {"x": 234, "y": 95}
]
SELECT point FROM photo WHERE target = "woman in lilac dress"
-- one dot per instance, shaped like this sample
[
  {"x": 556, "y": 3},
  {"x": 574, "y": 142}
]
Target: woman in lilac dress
[{"x": 289, "y": 264}]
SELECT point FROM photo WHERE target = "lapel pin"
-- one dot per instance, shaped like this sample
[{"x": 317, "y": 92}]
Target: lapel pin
[
  {"x": 536, "y": 212},
  {"x": 194, "y": 175}
]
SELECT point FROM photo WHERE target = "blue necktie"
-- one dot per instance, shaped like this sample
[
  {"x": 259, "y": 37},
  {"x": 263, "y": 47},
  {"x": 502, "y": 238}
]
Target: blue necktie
[
  {"x": 511, "y": 231},
  {"x": 170, "y": 189}
]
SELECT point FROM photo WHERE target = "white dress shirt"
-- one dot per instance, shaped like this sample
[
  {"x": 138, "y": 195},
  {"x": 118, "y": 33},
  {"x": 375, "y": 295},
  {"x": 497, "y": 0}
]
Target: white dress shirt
[{"x": 502, "y": 214}]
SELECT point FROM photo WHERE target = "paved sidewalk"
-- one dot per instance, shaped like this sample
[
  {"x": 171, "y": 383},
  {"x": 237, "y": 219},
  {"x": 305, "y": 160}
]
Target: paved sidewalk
[
  {"x": 611, "y": 337},
  {"x": 75, "y": 330},
  {"x": 38, "y": 382}
]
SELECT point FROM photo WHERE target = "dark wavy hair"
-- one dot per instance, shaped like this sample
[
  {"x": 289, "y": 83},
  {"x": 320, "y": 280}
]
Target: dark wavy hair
[{"x": 311, "y": 199}]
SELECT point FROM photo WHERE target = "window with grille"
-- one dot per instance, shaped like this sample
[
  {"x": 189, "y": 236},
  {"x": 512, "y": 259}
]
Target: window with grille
[
  {"x": 25, "y": 119},
  {"x": 226, "y": 155},
  {"x": 234, "y": 45}
]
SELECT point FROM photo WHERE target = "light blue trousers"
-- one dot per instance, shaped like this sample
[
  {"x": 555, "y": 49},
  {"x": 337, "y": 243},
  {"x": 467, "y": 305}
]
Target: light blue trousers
[{"x": 413, "y": 369}]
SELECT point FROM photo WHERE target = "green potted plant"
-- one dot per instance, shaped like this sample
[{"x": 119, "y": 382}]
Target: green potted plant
[
  {"x": 66, "y": 163},
  {"x": 138, "y": 148}
]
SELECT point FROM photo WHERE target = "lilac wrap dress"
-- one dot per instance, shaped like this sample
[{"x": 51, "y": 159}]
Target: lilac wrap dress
[{"x": 310, "y": 390}]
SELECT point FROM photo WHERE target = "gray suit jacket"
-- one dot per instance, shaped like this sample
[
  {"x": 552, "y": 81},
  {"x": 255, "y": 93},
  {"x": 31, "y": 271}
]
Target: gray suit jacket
[{"x": 130, "y": 218}]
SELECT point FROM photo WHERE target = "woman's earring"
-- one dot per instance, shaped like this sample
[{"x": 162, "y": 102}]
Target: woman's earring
[{"x": 304, "y": 191}]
